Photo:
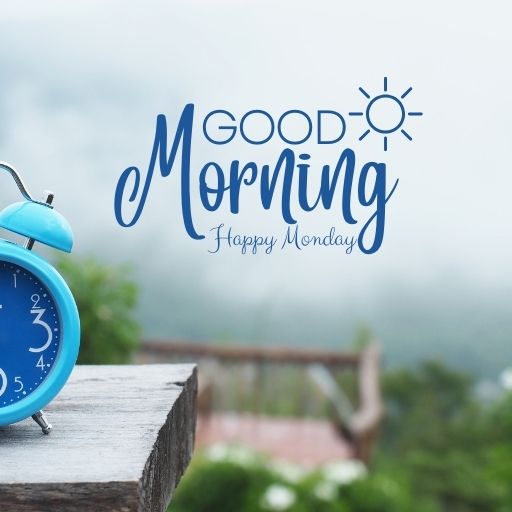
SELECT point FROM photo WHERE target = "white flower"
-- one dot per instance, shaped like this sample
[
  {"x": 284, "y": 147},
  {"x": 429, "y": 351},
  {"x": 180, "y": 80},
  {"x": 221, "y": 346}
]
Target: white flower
[
  {"x": 287, "y": 471},
  {"x": 217, "y": 452},
  {"x": 278, "y": 497},
  {"x": 506, "y": 379},
  {"x": 325, "y": 490},
  {"x": 234, "y": 454},
  {"x": 344, "y": 472}
]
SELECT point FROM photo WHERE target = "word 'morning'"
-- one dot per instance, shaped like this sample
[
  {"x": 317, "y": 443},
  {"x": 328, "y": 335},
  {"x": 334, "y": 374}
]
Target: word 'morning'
[{"x": 369, "y": 190}]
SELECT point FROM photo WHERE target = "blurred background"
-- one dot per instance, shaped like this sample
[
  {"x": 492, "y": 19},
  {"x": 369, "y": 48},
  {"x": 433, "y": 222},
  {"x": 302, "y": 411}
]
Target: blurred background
[{"x": 399, "y": 359}]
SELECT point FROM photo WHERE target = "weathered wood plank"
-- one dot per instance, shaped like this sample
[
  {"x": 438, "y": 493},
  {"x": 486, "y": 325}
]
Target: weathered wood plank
[{"x": 122, "y": 438}]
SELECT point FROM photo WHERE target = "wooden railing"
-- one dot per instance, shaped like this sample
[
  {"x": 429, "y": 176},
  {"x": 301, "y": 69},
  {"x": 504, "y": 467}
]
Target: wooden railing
[
  {"x": 256, "y": 354},
  {"x": 277, "y": 380}
]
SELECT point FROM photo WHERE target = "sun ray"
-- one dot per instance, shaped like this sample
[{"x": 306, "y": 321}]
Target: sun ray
[
  {"x": 364, "y": 134},
  {"x": 364, "y": 93},
  {"x": 406, "y": 93},
  {"x": 387, "y": 121},
  {"x": 406, "y": 134}
]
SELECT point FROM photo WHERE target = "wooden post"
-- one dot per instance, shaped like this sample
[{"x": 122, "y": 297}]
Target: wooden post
[
  {"x": 364, "y": 424},
  {"x": 122, "y": 438}
]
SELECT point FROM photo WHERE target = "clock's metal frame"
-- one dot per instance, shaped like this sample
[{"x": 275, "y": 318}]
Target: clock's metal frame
[
  {"x": 32, "y": 404},
  {"x": 70, "y": 333}
]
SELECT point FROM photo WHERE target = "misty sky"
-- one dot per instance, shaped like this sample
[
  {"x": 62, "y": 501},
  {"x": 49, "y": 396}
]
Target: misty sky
[{"x": 83, "y": 82}]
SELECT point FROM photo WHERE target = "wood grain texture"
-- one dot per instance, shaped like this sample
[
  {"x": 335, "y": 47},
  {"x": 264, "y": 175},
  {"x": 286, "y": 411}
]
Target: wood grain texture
[{"x": 122, "y": 438}]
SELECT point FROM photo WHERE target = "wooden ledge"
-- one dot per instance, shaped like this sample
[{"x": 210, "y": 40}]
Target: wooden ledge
[{"x": 122, "y": 437}]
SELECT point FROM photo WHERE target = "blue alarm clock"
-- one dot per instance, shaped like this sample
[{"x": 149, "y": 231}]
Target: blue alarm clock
[{"x": 39, "y": 322}]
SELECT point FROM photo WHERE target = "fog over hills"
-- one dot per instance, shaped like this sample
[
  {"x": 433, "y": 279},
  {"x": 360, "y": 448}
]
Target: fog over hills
[{"x": 75, "y": 115}]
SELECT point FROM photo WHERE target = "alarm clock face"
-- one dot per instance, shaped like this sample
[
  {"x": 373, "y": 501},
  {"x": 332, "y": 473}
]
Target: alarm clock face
[{"x": 30, "y": 333}]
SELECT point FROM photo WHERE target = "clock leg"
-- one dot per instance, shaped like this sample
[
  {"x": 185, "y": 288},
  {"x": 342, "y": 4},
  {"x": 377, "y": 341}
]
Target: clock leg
[{"x": 41, "y": 420}]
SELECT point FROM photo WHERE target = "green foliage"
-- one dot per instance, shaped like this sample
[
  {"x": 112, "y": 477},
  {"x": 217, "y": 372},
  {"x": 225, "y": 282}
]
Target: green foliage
[
  {"x": 364, "y": 336},
  {"x": 232, "y": 485},
  {"x": 220, "y": 486},
  {"x": 425, "y": 407},
  {"x": 385, "y": 492},
  {"x": 452, "y": 448},
  {"x": 106, "y": 298}
]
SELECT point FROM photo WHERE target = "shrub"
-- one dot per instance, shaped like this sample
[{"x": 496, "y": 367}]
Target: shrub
[
  {"x": 106, "y": 299},
  {"x": 233, "y": 480}
]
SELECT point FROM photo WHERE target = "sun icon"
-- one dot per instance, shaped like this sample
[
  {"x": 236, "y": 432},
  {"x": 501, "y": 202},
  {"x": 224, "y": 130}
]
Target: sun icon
[{"x": 385, "y": 113}]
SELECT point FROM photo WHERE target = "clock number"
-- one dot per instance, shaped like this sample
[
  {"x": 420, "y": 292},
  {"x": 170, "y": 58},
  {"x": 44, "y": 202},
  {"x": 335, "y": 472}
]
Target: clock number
[
  {"x": 35, "y": 300},
  {"x": 3, "y": 378},
  {"x": 40, "y": 363},
  {"x": 39, "y": 312},
  {"x": 17, "y": 380},
  {"x": 14, "y": 275}
]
